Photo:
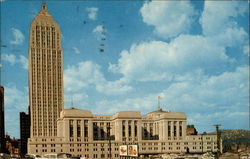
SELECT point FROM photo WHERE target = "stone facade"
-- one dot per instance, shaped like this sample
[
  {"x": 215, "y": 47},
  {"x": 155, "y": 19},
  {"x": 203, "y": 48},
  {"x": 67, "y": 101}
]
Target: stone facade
[
  {"x": 97, "y": 136},
  {"x": 81, "y": 133},
  {"x": 45, "y": 74}
]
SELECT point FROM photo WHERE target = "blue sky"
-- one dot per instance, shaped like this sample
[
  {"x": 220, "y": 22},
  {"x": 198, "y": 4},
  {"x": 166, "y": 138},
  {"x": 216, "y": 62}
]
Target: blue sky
[{"x": 195, "y": 55}]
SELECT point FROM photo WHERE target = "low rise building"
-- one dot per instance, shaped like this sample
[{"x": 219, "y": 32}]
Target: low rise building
[{"x": 99, "y": 136}]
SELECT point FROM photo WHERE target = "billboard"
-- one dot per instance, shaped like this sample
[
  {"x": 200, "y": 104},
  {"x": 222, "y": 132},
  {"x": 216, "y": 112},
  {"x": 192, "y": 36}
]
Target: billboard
[
  {"x": 133, "y": 150},
  {"x": 123, "y": 150}
]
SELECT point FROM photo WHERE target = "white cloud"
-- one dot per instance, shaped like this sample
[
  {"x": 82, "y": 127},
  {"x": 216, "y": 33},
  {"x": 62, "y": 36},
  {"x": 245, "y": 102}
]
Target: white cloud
[
  {"x": 9, "y": 58},
  {"x": 76, "y": 99},
  {"x": 76, "y": 50},
  {"x": 16, "y": 101},
  {"x": 231, "y": 37},
  {"x": 144, "y": 104},
  {"x": 100, "y": 31},
  {"x": 207, "y": 95},
  {"x": 218, "y": 98},
  {"x": 13, "y": 59},
  {"x": 214, "y": 23},
  {"x": 13, "y": 96},
  {"x": 18, "y": 37},
  {"x": 223, "y": 28},
  {"x": 88, "y": 75},
  {"x": 158, "y": 60},
  {"x": 113, "y": 87},
  {"x": 246, "y": 50},
  {"x": 92, "y": 13},
  {"x": 170, "y": 18},
  {"x": 24, "y": 61},
  {"x": 82, "y": 75}
]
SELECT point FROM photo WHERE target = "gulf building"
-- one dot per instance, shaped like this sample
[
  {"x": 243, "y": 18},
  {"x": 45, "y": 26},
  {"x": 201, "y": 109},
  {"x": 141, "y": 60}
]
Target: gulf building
[{"x": 82, "y": 133}]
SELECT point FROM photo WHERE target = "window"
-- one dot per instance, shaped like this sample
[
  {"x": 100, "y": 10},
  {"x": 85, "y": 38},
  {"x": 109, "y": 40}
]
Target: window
[
  {"x": 180, "y": 128},
  {"x": 129, "y": 130},
  {"x": 123, "y": 129},
  {"x": 174, "y": 129},
  {"x": 85, "y": 128},
  {"x": 135, "y": 128},
  {"x": 70, "y": 128},
  {"x": 169, "y": 129},
  {"x": 78, "y": 128}
]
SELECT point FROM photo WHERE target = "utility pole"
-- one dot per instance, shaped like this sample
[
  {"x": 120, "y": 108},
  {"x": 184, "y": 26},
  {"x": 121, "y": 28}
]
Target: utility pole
[{"x": 218, "y": 140}]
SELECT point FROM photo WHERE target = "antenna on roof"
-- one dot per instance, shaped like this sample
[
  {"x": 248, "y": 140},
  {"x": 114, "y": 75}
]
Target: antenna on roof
[
  {"x": 159, "y": 104},
  {"x": 72, "y": 101}
]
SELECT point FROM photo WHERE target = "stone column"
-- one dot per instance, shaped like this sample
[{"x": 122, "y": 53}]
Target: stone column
[
  {"x": 167, "y": 129},
  {"x": 74, "y": 128},
  {"x": 105, "y": 130},
  {"x": 126, "y": 129},
  {"x": 172, "y": 129},
  {"x": 164, "y": 124},
  {"x": 90, "y": 130},
  {"x": 160, "y": 127},
  {"x": 132, "y": 130},
  {"x": 139, "y": 128},
  {"x": 82, "y": 128},
  {"x": 99, "y": 129},
  {"x": 177, "y": 129},
  {"x": 148, "y": 130}
]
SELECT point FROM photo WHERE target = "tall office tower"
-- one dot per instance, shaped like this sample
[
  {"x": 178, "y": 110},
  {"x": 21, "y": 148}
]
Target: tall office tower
[
  {"x": 2, "y": 132},
  {"x": 45, "y": 74},
  {"x": 24, "y": 131}
]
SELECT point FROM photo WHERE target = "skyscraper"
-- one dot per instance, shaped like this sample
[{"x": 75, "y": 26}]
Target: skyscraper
[
  {"x": 24, "y": 131},
  {"x": 45, "y": 74},
  {"x": 2, "y": 132}
]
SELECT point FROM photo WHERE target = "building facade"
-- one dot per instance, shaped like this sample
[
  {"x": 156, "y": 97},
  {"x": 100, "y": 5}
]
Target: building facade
[
  {"x": 81, "y": 133},
  {"x": 24, "y": 132},
  {"x": 45, "y": 74},
  {"x": 12, "y": 146},
  {"x": 97, "y": 136},
  {"x": 2, "y": 126}
]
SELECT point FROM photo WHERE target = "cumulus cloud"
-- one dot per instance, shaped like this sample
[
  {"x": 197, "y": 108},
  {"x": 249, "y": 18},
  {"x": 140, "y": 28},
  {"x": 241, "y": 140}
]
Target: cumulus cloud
[
  {"x": 82, "y": 75},
  {"x": 144, "y": 104},
  {"x": 88, "y": 75},
  {"x": 227, "y": 91},
  {"x": 169, "y": 18},
  {"x": 214, "y": 97},
  {"x": 158, "y": 60},
  {"x": 18, "y": 37},
  {"x": 113, "y": 87},
  {"x": 92, "y": 13},
  {"x": 76, "y": 50},
  {"x": 223, "y": 27},
  {"x": 13, "y": 59},
  {"x": 217, "y": 16}
]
